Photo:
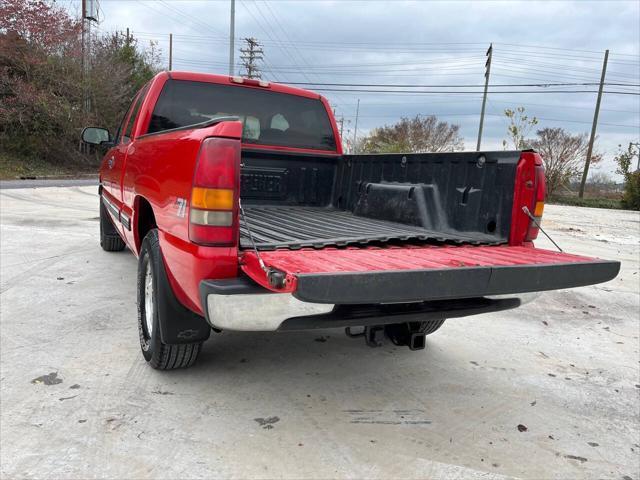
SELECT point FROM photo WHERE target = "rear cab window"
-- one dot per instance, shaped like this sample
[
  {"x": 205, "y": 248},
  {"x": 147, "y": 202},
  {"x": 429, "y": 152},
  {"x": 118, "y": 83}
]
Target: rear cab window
[{"x": 268, "y": 117}]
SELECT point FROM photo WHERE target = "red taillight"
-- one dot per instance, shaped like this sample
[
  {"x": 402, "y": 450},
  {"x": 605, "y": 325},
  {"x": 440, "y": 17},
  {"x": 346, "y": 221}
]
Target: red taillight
[
  {"x": 530, "y": 191},
  {"x": 213, "y": 212},
  {"x": 538, "y": 204}
]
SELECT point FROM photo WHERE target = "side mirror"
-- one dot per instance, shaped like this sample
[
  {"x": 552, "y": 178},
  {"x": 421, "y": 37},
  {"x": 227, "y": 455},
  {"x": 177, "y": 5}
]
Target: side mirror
[{"x": 96, "y": 136}]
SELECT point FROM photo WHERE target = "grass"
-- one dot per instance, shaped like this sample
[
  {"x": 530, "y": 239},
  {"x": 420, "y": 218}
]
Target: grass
[
  {"x": 596, "y": 202},
  {"x": 14, "y": 167}
]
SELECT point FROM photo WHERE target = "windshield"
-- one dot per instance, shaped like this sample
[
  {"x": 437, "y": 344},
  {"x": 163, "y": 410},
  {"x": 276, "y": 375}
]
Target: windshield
[{"x": 269, "y": 118}]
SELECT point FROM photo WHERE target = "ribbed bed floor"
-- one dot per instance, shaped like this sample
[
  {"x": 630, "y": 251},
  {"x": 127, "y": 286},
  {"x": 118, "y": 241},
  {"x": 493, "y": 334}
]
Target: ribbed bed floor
[{"x": 317, "y": 227}]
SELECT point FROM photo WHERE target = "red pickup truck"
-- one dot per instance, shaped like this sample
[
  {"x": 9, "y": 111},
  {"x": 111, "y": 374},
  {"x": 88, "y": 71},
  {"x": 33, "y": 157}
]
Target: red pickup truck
[{"x": 245, "y": 214}]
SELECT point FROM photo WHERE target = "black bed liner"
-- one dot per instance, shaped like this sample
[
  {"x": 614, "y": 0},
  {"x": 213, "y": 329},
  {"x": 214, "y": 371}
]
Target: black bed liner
[
  {"x": 317, "y": 227},
  {"x": 294, "y": 200}
]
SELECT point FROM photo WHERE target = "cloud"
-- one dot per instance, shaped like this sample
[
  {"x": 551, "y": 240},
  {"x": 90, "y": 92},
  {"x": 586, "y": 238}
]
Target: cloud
[{"x": 420, "y": 42}]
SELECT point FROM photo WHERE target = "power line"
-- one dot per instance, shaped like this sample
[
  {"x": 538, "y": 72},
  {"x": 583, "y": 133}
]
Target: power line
[
  {"x": 431, "y": 44},
  {"x": 458, "y": 114},
  {"x": 266, "y": 32},
  {"x": 509, "y": 54},
  {"x": 282, "y": 43},
  {"x": 553, "y": 74},
  {"x": 611, "y": 92},
  {"x": 460, "y": 86},
  {"x": 181, "y": 14},
  {"x": 519, "y": 45}
]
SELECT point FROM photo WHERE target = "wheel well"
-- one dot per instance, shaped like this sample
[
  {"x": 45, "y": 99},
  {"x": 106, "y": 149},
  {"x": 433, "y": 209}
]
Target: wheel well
[{"x": 146, "y": 220}]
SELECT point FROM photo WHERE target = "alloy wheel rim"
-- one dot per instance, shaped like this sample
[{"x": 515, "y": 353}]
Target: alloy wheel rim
[{"x": 148, "y": 299}]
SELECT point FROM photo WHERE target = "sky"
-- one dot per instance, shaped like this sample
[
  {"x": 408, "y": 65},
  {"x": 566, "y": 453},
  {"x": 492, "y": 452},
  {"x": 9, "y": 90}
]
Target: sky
[{"x": 430, "y": 46}]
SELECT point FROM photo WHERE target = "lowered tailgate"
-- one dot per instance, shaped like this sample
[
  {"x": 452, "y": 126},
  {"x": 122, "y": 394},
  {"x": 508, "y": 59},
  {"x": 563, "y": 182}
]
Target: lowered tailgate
[{"x": 419, "y": 273}]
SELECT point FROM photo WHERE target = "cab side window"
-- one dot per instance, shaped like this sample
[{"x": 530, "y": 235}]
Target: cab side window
[{"x": 124, "y": 134}]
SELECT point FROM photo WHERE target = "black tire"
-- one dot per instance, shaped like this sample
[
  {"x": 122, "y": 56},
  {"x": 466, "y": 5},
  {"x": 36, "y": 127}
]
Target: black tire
[
  {"x": 429, "y": 327},
  {"x": 159, "y": 355},
  {"x": 110, "y": 239}
]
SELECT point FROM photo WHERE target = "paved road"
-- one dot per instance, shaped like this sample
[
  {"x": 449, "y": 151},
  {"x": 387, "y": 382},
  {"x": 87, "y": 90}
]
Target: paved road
[
  {"x": 60, "y": 182},
  {"x": 78, "y": 401}
]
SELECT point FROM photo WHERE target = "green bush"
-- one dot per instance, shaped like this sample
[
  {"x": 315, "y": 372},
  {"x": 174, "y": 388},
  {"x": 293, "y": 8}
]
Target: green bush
[
  {"x": 631, "y": 196},
  {"x": 625, "y": 160},
  {"x": 598, "y": 202}
]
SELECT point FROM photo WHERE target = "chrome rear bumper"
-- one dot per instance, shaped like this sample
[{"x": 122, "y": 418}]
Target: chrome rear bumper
[
  {"x": 241, "y": 305},
  {"x": 258, "y": 312}
]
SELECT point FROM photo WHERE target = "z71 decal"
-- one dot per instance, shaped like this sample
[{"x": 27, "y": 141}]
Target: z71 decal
[{"x": 181, "y": 204}]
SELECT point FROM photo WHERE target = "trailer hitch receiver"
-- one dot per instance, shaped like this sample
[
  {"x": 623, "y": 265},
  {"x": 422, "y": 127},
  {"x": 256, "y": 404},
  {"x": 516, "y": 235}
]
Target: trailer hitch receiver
[{"x": 402, "y": 334}]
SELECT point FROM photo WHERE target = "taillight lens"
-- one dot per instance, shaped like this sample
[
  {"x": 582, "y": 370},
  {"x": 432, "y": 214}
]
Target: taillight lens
[
  {"x": 530, "y": 191},
  {"x": 213, "y": 212},
  {"x": 538, "y": 204}
]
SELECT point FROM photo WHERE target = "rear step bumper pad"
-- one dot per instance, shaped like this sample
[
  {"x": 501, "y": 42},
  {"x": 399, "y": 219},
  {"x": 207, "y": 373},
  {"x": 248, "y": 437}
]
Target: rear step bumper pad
[
  {"x": 448, "y": 283},
  {"x": 240, "y": 304}
]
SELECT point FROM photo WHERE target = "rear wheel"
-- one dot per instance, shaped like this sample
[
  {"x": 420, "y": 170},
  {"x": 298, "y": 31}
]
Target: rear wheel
[
  {"x": 110, "y": 239},
  {"x": 159, "y": 355},
  {"x": 430, "y": 327}
]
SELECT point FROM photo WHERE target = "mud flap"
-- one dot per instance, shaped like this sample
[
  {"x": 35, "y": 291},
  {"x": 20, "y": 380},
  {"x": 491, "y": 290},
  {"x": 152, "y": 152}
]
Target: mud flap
[{"x": 178, "y": 324}]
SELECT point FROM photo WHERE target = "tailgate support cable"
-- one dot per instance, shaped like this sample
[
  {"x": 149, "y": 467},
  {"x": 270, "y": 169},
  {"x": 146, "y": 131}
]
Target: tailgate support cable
[
  {"x": 275, "y": 277},
  {"x": 533, "y": 219}
]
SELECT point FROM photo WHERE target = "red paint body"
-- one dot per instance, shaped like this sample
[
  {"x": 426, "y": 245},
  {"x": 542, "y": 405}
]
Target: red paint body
[{"x": 158, "y": 170}]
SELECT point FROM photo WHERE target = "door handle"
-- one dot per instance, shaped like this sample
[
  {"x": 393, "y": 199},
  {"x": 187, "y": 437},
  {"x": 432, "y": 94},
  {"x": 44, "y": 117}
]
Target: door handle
[{"x": 111, "y": 162}]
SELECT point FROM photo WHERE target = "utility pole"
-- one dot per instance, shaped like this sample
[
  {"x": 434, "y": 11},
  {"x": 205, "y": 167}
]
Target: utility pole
[
  {"x": 355, "y": 129},
  {"x": 637, "y": 145},
  {"x": 594, "y": 126},
  {"x": 87, "y": 18},
  {"x": 341, "y": 121},
  {"x": 232, "y": 34},
  {"x": 83, "y": 33},
  {"x": 487, "y": 72},
  {"x": 127, "y": 37},
  {"x": 170, "y": 51},
  {"x": 250, "y": 56}
]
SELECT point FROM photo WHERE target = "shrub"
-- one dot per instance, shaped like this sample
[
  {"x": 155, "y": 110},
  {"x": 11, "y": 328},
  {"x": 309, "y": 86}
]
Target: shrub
[{"x": 631, "y": 195}]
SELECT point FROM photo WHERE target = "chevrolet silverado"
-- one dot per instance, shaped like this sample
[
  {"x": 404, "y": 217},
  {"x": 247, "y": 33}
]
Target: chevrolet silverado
[{"x": 245, "y": 214}]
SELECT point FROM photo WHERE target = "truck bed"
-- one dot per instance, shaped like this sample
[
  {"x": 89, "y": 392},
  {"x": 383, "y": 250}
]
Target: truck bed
[
  {"x": 318, "y": 227},
  {"x": 302, "y": 200}
]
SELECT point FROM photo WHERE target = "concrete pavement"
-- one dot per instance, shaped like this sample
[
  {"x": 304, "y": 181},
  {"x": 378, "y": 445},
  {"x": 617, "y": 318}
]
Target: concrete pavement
[{"x": 551, "y": 390}]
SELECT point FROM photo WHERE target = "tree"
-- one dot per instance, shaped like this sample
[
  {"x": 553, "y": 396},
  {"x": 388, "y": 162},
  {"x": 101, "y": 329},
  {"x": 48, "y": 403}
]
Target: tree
[
  {"x": 624, "y": 159},
  {"x": 42, "y": 24},
  {"x": 119, "y": 68},
  {"x": 563, "y": 155},
  {"x": 418, "y": 134},
  {"x": 39, "y": 71},
  {"x": 519, "y": 127},
  {"x": 42, "y": 81}
]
